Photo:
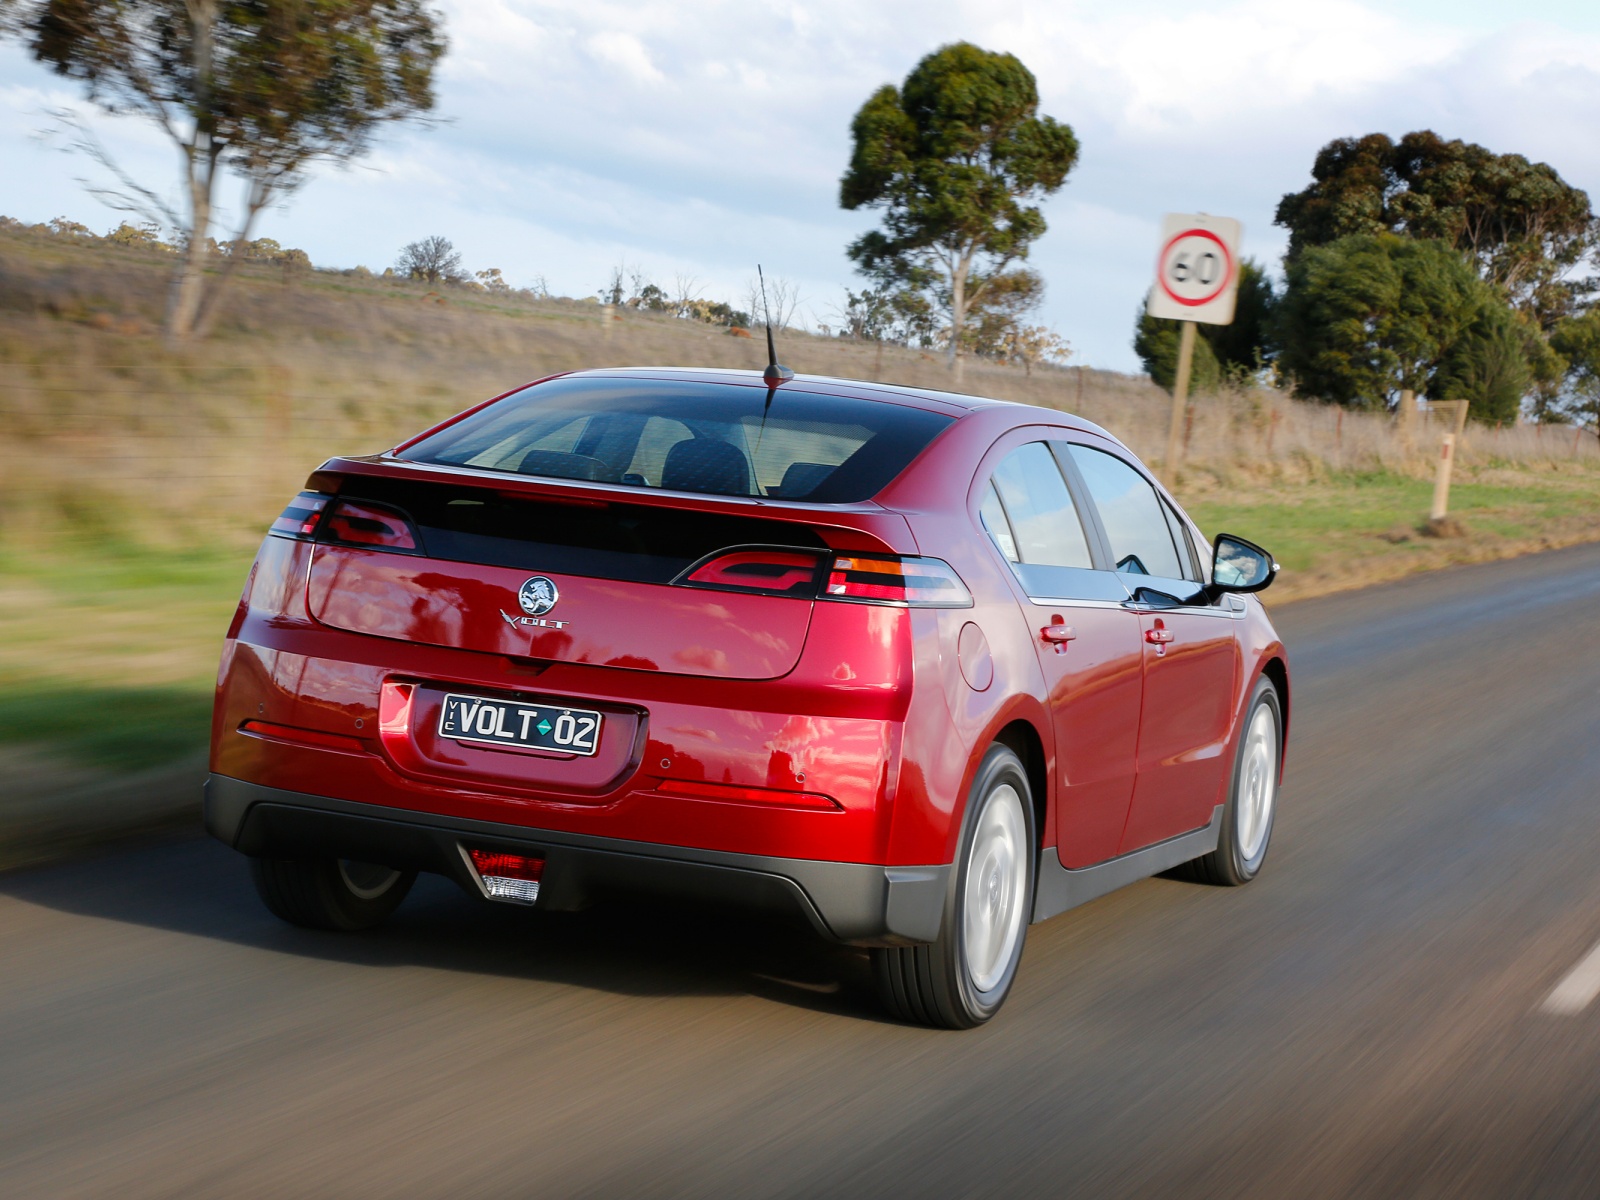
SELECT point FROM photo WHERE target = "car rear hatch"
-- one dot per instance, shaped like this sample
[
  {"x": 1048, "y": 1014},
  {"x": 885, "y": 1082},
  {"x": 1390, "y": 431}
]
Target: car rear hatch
[
  {"x": 551, "y": 573},
  {"x": 582, "y": 519}
]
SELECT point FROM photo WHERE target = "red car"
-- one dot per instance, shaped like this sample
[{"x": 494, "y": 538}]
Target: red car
[{"x": 922, "y": 666}]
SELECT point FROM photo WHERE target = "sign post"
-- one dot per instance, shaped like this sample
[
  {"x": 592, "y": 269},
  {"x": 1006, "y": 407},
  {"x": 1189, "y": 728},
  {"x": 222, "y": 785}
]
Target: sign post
[{"x": 1197, "y": 281}]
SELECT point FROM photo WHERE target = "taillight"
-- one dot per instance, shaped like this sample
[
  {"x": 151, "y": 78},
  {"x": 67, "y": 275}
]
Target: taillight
[
  {"x": 915, "y": 582},
  {"x": 299, "y": 520},
  {"x": 359, "y": 523},
  {"x": 513, "y": 877},
  {"x": 770, "y": 571}
]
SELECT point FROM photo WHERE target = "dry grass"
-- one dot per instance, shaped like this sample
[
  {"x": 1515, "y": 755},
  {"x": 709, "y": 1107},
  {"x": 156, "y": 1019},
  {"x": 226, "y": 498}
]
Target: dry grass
[{"x": 106, "y": 432}]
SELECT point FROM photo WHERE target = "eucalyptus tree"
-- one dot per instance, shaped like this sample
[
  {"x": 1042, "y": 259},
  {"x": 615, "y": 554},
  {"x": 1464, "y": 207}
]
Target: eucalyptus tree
[
  {"x": 260, "y": 89},
  {"x": 1526, "y": 230},
  {"x": 955, "y": 158}
]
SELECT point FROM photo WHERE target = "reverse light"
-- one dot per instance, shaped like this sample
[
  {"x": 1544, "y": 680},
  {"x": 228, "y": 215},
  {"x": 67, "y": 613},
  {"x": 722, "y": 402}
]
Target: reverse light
[
  {"x": 513, "y": 877},
  {"x": 912, "y": 581},
  {"x": 299, "y": 520},
  {"x": 773, "y": 571},
  {"x": 360, "y": 523}
]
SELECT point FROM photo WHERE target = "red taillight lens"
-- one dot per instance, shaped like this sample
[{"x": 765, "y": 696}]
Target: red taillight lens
[
  {"x": 507, "y": 866},
  {"x": 362, "y": 524},
  {"x": 776, "y": 572},
  {"x": 299, "y": 520},
  {"x": 916, "y": 582}
]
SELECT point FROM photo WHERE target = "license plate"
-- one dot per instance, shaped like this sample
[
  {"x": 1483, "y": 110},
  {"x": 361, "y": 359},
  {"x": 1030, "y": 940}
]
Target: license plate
[{"x": 508, "y": 723}]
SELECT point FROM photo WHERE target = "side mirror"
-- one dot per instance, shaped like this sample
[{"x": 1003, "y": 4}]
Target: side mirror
[{"x": 1239, "y": 566}]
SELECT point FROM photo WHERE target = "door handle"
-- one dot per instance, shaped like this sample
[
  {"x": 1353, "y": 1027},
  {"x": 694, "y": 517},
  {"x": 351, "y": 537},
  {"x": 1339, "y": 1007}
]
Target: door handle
[
  {"x": 1058, "y": 635},
  {"x": 1158, "y": 637}
]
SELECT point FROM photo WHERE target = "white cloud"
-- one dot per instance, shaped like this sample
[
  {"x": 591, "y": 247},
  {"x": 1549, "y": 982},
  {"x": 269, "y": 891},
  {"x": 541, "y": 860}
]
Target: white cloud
[{"x": 699, "y": 137}]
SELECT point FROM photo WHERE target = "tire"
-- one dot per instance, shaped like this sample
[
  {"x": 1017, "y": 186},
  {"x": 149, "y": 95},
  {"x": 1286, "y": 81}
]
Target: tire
[
  {"x": 1252, "y": 805},
  {"x": 329, "y": 893},
  {"x": 962, "y": 979}
]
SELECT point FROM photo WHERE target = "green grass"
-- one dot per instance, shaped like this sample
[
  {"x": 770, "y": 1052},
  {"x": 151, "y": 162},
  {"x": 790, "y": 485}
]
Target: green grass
[
  {"x": 108, "y": 652},
  {"x": 1354, "y": 520},
  {"x": 108, "y": 728}
]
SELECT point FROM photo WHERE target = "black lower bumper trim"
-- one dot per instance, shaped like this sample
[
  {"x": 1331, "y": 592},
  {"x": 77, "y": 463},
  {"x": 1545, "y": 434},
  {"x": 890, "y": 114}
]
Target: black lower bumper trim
[{"x": 858, "y": 903}]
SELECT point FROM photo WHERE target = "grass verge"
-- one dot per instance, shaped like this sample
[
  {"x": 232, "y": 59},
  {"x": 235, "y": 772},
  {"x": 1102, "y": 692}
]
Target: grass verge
[{"x": 1353, "y": 530}]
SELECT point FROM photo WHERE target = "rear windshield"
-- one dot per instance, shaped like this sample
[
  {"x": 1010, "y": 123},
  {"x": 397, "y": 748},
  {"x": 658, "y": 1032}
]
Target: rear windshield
[{"x": 717, "y": 439}]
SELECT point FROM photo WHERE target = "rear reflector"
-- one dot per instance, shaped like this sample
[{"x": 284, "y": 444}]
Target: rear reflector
[
  {"x": 512, "y": 877},
  {"x": 306, "y": 737},
  {"x": 299, "y": 520},
  {"x": 727, "y": 793},
  {"x": 360, "y": 523},
  {"x": 915, "y": 582}
]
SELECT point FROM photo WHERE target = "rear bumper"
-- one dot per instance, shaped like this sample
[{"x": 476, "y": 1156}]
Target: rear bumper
[{"x": 857, "y": 903}]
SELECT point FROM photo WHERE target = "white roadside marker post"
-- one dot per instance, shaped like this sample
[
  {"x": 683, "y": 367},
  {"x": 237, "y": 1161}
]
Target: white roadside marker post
[{"x": 1441, "y": 481}]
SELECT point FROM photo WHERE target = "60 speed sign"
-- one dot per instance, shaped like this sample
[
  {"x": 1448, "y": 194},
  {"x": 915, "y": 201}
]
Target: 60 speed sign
[{"x": 1197, "y": 271}]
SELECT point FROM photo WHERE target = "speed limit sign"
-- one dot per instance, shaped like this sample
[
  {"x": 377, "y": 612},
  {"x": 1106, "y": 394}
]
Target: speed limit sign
[{"x": 1197, "y": 272}]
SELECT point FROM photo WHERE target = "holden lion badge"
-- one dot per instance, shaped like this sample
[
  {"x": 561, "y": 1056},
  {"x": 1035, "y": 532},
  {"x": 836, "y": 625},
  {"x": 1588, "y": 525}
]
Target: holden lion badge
[{"x": 538, "y": 596}]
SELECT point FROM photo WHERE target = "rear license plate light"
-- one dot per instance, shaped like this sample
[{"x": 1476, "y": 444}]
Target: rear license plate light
[{"x": 511, "y": 877}]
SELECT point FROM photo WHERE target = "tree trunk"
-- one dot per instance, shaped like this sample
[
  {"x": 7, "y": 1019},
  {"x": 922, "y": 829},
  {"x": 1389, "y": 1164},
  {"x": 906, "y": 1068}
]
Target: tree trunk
[
  {"x": 188, "y": 280},
  {"x": 200, "y": 156},
  {"x": 958, "y": 311},
  {"x": 207, "y": 316}
]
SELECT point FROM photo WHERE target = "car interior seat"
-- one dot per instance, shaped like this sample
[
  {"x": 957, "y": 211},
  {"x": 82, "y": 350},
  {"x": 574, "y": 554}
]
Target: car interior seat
[{"x": 706, "y": 465}]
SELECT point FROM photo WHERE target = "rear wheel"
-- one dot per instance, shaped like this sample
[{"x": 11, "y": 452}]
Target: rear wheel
[
  {"x": 1252, "y": 800},
  {"x": 329, "y": 893},
  {"x": 961, "y": 979}
]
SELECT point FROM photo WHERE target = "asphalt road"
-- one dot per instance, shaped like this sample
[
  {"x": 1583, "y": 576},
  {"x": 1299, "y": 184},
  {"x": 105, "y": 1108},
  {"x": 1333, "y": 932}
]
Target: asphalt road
[{"x": 1368, "y": 1019}]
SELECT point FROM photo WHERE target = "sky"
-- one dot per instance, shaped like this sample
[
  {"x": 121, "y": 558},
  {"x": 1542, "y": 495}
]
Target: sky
[{"x": 697, "y": 138}]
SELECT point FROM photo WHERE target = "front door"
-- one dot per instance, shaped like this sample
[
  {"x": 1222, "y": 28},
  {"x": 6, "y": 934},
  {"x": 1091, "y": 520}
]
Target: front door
[
  {"x": 1190, "y": 648},
  {"x": 1190, "y": 661}
]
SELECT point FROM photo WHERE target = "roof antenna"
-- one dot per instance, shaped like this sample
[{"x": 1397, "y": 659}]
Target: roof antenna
[{"x": 775, "y": 373}]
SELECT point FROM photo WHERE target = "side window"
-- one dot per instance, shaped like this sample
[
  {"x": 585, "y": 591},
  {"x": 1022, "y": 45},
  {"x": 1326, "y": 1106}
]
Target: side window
[
  {"x": 994, "y": 520},
  {"x": 1044, "y": 524},
  {"x": 1135, "y": 520},
  {"x": 1180, "y": 538}
]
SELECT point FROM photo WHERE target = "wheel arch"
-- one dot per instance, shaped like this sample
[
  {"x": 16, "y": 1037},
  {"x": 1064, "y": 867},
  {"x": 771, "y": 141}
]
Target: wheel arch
[
  {"x": 1024, "y": 741},
  {"x": 1277, "y": 671}
]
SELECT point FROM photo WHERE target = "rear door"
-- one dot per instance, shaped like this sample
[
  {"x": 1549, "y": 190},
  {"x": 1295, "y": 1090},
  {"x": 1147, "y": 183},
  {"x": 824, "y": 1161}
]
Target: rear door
[
  {"x": 1191, "y": 651},
  {"x": 1087, "y": 642}
]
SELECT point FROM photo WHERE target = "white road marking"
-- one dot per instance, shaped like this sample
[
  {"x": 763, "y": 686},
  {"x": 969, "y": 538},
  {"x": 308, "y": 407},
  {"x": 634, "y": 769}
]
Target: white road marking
[{"x": 1577, "y": 989}]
